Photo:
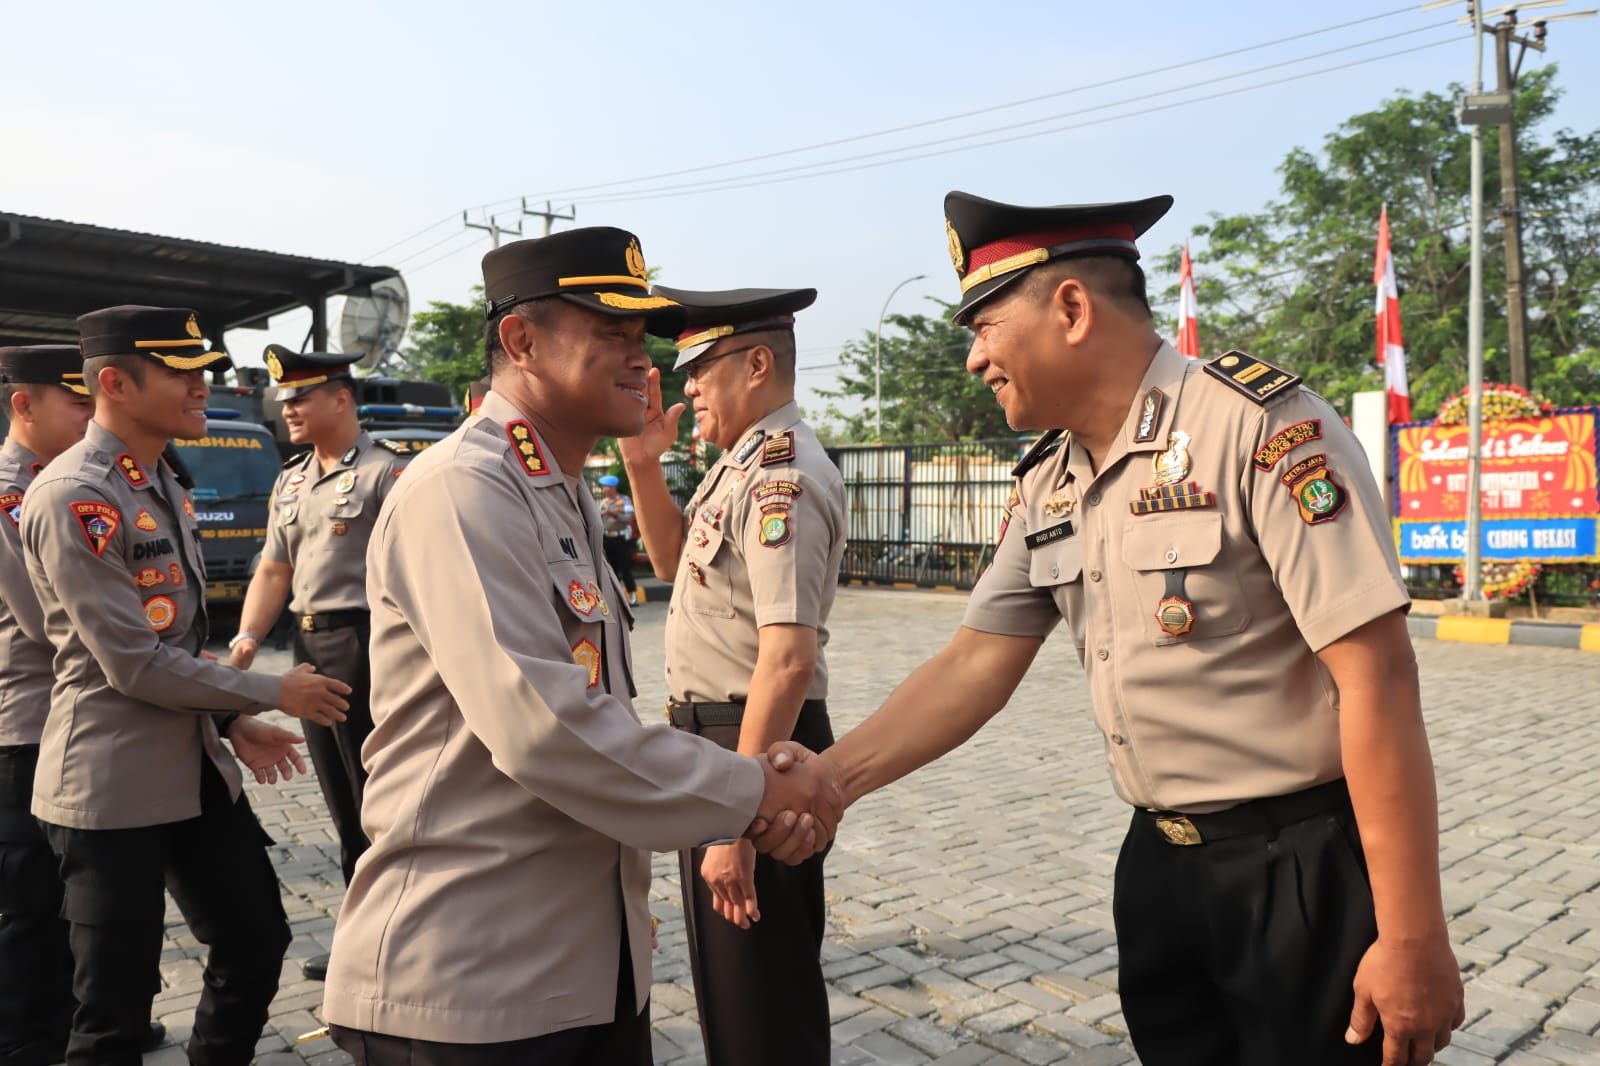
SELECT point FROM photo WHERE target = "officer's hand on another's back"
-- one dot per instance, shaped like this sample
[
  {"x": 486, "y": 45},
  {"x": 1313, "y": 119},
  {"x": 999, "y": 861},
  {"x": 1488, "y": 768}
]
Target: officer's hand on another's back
[{"x": 306, "y": 694}]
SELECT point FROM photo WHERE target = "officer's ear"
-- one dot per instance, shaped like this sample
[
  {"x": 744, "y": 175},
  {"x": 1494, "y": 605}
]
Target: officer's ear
[
  {"x": 21, "y": 402},
  {"x": 1071, "y": 307},
  {"x": 762, "y": 363}
]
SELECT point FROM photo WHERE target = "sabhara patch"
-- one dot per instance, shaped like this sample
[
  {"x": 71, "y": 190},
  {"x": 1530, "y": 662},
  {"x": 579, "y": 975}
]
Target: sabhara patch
[
  {"x": 1287, "y": 440},
  {"x": 12, "y": 503},
  {"x": 767, "y": 490},
  {"x": 99, "y": 522}
]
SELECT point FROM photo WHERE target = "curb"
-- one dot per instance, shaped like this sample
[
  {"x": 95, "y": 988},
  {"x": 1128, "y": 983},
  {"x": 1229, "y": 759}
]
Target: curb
[{"x": 1581, "y": 636}]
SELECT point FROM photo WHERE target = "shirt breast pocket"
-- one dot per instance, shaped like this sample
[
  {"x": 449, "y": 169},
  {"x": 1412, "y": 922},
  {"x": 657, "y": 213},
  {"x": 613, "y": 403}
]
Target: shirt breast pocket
[
  {"x": 585, "y": 600},
  {"x": 707, "y": 570},
  {"x": 1157, "y": 547},
  {"x": 1058, "y": 567}
]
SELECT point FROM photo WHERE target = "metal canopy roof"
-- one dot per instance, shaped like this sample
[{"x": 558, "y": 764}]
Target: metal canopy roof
[{"x": 52, "y": 271}]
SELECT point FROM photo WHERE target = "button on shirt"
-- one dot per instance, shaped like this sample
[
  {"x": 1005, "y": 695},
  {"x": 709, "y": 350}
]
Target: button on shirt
[
  {"x": 762, "y": 546},
  {"x": 321, "y": 522},
  {"x": 1292, "y": 552}
]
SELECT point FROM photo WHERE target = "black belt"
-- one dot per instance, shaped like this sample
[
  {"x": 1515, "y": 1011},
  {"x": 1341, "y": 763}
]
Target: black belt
[
  {"x": 1257, "y": 817},
  {"x": 688, "y": 715},
  {"x": 311, "y": 623}
]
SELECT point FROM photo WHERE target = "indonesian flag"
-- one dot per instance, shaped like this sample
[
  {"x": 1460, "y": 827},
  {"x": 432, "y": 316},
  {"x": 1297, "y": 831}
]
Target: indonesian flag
[
  {"x": 1188, "y": 327},
  {"x": 1391, "y": 349}
]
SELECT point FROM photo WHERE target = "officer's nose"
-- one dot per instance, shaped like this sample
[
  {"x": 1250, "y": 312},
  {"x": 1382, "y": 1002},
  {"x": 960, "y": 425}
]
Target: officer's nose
[
  {"x": 691, "y": 388},
  {"x": 977, "y": 358}
]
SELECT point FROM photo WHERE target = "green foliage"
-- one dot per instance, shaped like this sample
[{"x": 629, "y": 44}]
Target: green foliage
[
  {"x": 1293, "y": 282},
  {"x": 927, "y": 393}
]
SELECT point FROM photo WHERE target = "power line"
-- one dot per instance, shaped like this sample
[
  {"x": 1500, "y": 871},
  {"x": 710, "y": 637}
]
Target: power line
[
  {"x": 729, "y": 184},
  {"x": 960, "y": 115}
]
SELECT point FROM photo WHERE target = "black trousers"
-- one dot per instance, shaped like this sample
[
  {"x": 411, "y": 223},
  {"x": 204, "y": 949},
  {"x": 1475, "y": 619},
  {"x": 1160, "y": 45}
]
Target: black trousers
[
  {"x": 217, "y": 869},
  {"x": 753, "y": 984},
  {"x": 623, "y": 1041},
  {"x": 1241, "y": 951},
  {"x": 336, "y": 750},
  {"x": 36, "y": 1001},
  {"x": 619, "y": 553}
]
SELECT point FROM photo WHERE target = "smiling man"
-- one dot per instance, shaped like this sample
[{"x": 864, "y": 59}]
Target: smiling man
[
  {"x": 754, "y": 561},
  {"x": 136, "y": 793},
  {"x": 501, "y": 914},
  {"x": 1222, "y": 557}
]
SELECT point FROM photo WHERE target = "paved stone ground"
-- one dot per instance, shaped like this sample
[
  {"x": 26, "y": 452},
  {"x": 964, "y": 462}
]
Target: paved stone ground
[{"x": 969, "y": 906}]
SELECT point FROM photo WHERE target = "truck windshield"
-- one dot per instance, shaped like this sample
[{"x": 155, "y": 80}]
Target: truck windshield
[{"x": 231, "y": 465}]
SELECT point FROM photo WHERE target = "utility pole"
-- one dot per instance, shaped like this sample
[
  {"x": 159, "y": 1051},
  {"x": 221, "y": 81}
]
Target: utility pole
[
  {"x": 493, "y": 228},
  {"x": 549, "y": 214}
]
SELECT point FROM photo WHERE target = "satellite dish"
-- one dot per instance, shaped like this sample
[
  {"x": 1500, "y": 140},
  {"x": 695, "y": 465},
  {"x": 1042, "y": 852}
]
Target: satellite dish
[{"x": 375, "y": 324}]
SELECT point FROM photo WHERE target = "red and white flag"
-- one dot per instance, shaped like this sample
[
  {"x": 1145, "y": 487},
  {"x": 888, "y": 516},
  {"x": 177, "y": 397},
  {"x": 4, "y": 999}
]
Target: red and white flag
[
  {"x": 1391, "y": 349},
  {"x": 1188, "y": 327}
]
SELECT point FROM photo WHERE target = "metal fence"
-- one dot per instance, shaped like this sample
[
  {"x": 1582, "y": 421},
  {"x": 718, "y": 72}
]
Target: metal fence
[{"x": 924, "y": 514}]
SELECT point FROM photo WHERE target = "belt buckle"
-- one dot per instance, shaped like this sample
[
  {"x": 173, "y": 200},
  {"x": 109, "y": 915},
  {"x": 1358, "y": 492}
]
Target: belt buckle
[
  {"x": 1179, "y": 830},
  {"x": 669, "y": 711},
  {"x": 308, "y": 623}
]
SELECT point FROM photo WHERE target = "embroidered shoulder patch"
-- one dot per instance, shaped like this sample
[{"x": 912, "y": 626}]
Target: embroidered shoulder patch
[
  {"x": 527, "y": 447},
  {"x": 775, "y": 529},
  {"x": 1317, "y": 496},
  {"x": 770, "y": 490},
  {"x": 11, "y": 502},
  {"x": 132, "y": 471},
  {"x": 1287, "y": 440},
  {"x": 1245, "y": 374},
  {"x": 99, "y": 522},
  {"x": 779, "y": 448}
]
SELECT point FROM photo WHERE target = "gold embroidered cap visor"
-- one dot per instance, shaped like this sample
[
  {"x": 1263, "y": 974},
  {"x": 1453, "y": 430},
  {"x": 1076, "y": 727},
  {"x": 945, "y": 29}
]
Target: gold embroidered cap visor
[
  {"x": 711, "y": 316},
  {"x": 994, "y": 245},
  {"x": 43, "y": 364},
  {"x": 170, "y": 336},
  {"x": 597, "y": 267}
]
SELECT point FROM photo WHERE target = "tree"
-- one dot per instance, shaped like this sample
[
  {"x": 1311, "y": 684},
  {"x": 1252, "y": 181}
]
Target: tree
[
  {"x": 927, "y": 393},
  {"x": 1293, "y": 282}
]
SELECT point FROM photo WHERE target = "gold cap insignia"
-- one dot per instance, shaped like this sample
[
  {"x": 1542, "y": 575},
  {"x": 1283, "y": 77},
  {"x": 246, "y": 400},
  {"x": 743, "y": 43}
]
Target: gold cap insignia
[
  {"x": 958, "y": 255},
  {"x": 635, "y": 257},
  {"x": 192, "y": 328},
  {"x": 274, "y": 366}
]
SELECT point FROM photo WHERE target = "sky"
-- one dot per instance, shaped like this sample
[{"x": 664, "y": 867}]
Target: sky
[{"x": 362, "y": 131}]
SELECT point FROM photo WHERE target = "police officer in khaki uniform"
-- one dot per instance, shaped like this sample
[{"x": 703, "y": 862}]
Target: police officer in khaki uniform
[
  {"x": 501, "y": 913},
  {"x": 42, "y": 389},
  {"x": 325, "y": 504},
  {"x": 754, "y": 562},
  {"x": 1224, "y": 563},
  {"x": 135, "y": 792}
]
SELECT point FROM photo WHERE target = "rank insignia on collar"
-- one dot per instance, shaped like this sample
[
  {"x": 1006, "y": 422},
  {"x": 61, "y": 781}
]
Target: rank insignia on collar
[
  {"x": 1180, "y": 497},
  {"x": 582, "y": 600},
  {"x": 350, "y": 456},
  {"x": 586, "y": 655},
  {"x": 526, "y": 446},
  {"x": 346, "y": 482},
  {"x": 1287, "y": 440},
  {"x": 99, "y": 522},
  {"x": 145, "y": 520},
  {"x": 11, "y": 503},
  {"x": 132, "y": 471},
  {"x": 1149, "y": 416},
  {"x": 748, "y": 448},
  {"x": 1060, "y": 504},
  {"x": 1172, "y": 465},
  {"x": 779, "y": 448},
  {"x": 1317, "y": 496}
]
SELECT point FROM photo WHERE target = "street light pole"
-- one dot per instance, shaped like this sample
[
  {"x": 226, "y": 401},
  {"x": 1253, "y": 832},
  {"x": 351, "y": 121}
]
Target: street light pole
[
  {"x": 877, "y": 358},
  {"x": 1474, "y": 553}
]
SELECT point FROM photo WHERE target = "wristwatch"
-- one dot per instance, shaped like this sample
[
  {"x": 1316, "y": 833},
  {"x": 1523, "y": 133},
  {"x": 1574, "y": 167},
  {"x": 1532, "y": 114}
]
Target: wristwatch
[{"x": 243, "y": 634}]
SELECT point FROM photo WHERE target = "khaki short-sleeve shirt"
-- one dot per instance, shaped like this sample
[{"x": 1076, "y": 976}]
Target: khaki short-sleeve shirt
[
  {"x": 1224, "y": 542},
  {"x": 764, "y": 536},
  {"x": 321, "y": 522}
]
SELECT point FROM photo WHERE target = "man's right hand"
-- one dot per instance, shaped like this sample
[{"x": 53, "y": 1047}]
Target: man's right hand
[
  {"x": 660, "y": 427},
  {"x": 800, "y": 807},
  {"x": 304, "y": 693}
]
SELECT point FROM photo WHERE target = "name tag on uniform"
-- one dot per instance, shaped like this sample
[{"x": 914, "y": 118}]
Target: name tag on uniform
[{"x": 1047, "y": 536}]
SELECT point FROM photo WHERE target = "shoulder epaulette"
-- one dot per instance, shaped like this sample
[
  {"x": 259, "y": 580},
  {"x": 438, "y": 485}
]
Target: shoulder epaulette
[
  {"x": 1253, "y": 378},
  {"x": 295, "y": 460},
  {"x": 1042, "y": 449},
  {"x": 398, "y": 447}
]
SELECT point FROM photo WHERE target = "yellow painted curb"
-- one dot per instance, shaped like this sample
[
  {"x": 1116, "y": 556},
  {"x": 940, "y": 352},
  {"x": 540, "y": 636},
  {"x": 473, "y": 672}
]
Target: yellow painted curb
[
  {"x": 1589, "y": 639},
  {"x": 1474, "y": 630}
]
